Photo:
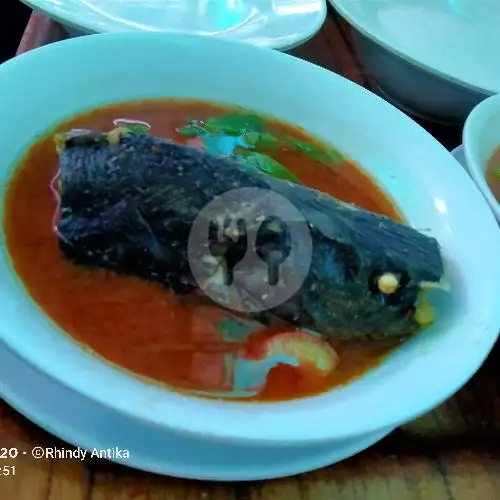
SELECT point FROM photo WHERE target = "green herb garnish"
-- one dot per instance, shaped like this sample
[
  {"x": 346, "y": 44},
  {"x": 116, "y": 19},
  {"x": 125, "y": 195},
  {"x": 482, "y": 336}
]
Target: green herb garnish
[
  {"x": 250, "y": 133},
  {"x": 257, "y": 140},
  {"x": 496, "y": 171},
  {"x": 270, "y": 166},
  {"x": 234, "y": 124},
  {"x": 328, "y": 156},
  {"x": 268, "y": 140},
  {"x": 191, "y": 130},
  {"x": 133, "y": 128},
  {"x": 251, "y": 139}
]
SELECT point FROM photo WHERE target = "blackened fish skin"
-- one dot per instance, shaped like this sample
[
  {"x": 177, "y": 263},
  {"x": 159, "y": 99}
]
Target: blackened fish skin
[{"x": 129, "y": 205}]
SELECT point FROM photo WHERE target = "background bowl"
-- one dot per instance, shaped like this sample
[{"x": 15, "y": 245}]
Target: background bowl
[
  {"x": 53, "y": 83},
  {"x": 481, "y": 136},
  {"x": 435, "y": 59},
  {"x": 414, "y": 89}
]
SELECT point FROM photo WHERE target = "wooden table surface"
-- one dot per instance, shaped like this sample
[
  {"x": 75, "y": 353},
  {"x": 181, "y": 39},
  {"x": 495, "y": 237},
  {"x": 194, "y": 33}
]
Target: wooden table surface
[{"x": 452, "y": 453}]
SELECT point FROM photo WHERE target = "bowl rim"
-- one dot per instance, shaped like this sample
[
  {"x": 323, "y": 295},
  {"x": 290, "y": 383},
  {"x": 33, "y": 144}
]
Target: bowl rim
[
  {"x": 71, "y": 18},
  {"x": 474, "y": 122},
  {"x": 342, "y": 7},
  {"x": 275, "y": 422}
]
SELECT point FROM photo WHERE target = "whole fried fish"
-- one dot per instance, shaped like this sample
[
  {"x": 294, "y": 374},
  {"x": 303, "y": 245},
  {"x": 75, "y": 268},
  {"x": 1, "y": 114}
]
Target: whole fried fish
[{"x": 129, "y": 202}]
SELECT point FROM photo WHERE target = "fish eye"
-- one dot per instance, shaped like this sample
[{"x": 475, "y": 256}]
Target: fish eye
[{"x": 388, "y": 282}]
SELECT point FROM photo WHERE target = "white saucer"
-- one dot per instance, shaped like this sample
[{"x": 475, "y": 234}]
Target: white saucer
[
  {"x": 85, "y": 423},
  {"x": 277, "y": 24}
]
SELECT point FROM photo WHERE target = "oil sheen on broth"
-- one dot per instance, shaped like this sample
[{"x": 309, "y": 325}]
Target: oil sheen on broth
[
  {"x": 493, "y": 174},
  {"x": 136, "y": 324}
]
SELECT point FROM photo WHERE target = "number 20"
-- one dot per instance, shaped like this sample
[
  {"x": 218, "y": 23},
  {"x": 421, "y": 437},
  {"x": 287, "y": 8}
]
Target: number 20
[{"x": 8, "y": 452}]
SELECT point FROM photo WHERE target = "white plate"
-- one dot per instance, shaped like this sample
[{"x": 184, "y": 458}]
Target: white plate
[
  {"x": 277, "y": 24},
  {"x": 93, "y": 427},
  {"x": 454, "y": 39}
]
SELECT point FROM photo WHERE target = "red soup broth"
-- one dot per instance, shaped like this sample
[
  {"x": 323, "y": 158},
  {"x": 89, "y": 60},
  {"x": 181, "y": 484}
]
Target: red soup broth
[{"x": 135, "y": 324}]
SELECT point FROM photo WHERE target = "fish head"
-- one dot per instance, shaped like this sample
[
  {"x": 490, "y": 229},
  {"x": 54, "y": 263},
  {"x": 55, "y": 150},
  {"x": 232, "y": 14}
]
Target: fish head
[{"x": 370, "y": 297}]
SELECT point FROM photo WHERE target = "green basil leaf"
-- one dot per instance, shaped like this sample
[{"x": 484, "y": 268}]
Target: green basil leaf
[
  {"x": 268, "y": 140},
  {"x": 234, "y": 124},
  {"x": 191, "y": 130},
  {"x": 328, "y": 156},
  {"x": 304, "y": 146},
  {"x": 251, "y": 139},
  {"x": 134, "y": 128},
  {"x": 270, "y": 166},
  {"x": 265, "y": 140},
  {"x": 496, "y": 172},
  {"x": 334, "y": 156}
]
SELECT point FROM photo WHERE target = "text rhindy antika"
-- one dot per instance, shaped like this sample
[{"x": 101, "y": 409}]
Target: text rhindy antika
[{"x": 81, "y": 454}]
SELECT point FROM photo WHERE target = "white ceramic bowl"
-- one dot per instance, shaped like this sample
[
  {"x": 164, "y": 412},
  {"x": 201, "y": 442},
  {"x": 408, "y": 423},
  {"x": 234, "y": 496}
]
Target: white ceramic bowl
[
  {"x": 47, "y": 85},
  {"x": 414, "y": 89},
  {"x": 276, "y": 24},
  {"x": 436, "y": 59},
  {"x": 481, "y": 136}
]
